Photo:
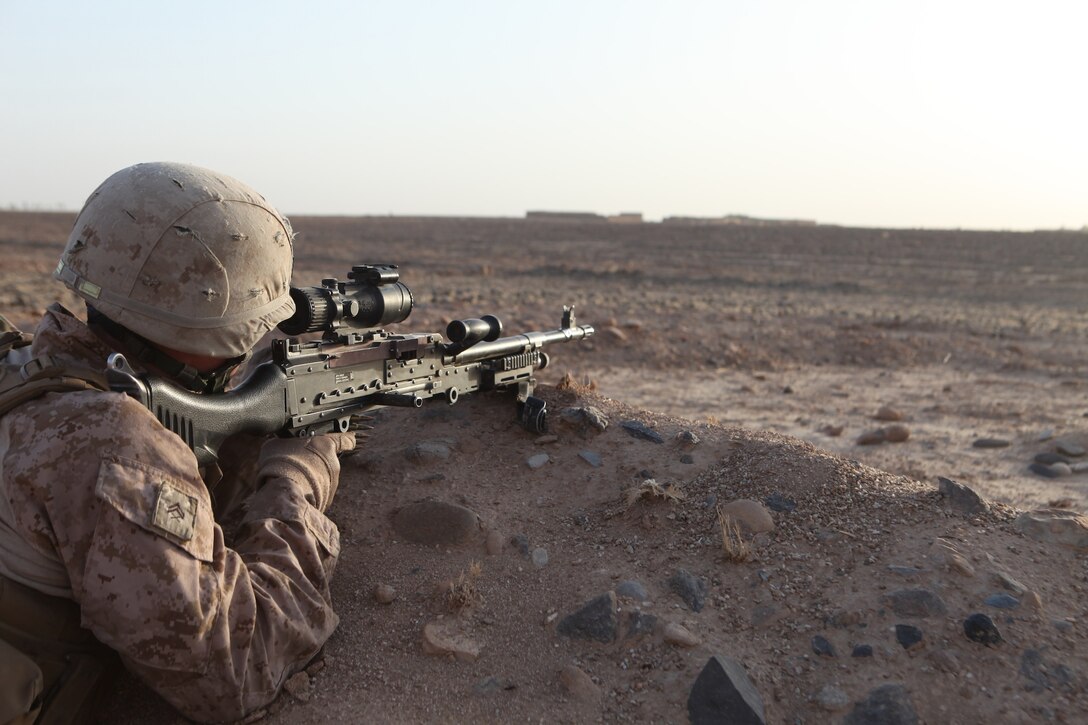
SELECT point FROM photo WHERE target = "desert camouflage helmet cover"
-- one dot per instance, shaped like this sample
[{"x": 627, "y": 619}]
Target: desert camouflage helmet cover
[{"x": 186, "y": 257}]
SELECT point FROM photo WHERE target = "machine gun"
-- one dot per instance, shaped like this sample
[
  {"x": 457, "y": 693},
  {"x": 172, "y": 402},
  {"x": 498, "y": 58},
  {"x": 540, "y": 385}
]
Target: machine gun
[{"x": 315, "y": 387}]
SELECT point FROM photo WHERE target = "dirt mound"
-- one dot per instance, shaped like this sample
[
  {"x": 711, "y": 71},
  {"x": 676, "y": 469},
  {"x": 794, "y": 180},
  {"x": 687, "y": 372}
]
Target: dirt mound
[{"x": 576, "y": 590}]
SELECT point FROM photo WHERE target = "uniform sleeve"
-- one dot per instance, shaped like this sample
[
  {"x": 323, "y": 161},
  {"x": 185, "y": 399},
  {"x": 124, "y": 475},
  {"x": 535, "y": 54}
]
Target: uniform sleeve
[{"x": 215, "y": 630}]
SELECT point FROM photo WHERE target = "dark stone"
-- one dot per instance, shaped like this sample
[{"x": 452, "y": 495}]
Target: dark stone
[
  {"x": 521, "y": 543},
  {"x": 1048, "y": 459},
  {"x": 980, "y": 628},
  {"x": 778, "y": 502},
  {"x": 904, "y": 570},
  {"x": 690, "y": 588},
  {"x": 687, "y": 458},
  {"x": 632, "y": 590},
  {"x": 1043, "y": 470},
  {"x": 886, "y": 705},
  {"x": 580, "y": 518},
  {"x": 723, "y": 694},
  {"x": 862, "y": 650},
  {"x": 640, "y": 624},
  {"x": 591, "y": 458},
  {"x": 1002, "y": 601},
  {"x": 991, "y": 443},
  {"x": 1042, "y": 675},
  {"x": 916, "y": 603},
  {"x": 907, "y": 635},
  {"x": 787, "y": 390},
  {"x": 961, "y": 498},
  {"x": 596, "y": 620},
  {"x": 635, "y": 429},
  {"x": 687, "y": 438},
  {"x": 1069, "y": 448},
  {"x": 433, "y": 522},
  {"x": 822, "y": 647}
]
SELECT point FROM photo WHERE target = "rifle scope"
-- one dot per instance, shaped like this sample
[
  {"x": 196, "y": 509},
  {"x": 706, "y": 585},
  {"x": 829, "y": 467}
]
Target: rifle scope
[{"x": 374, "y": 297}]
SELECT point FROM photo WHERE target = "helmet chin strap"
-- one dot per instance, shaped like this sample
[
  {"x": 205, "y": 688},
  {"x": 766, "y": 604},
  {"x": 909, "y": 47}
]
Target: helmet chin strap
[{"x": 214, "y": 381}]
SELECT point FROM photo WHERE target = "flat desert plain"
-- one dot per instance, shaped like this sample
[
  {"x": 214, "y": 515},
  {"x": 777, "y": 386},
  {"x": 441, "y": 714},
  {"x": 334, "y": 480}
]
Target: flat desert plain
[{"x": 810, "y": 384}]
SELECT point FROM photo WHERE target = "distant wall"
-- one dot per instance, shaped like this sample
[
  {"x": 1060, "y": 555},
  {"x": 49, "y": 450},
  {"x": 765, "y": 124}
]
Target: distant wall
[
  {"x": 564, "y": 216},
  {"x": 738, "y": 219},
  {"x": 626, "y": 217}
]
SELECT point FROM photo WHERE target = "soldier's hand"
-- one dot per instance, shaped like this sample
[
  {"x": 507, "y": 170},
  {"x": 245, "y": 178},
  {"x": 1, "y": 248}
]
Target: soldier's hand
[{"x": 309, "y": 463}]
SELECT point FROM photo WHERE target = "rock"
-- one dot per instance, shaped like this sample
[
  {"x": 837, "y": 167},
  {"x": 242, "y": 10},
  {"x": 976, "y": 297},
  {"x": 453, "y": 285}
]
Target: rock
[
  {"x": 1054, "y": 526},
  {"x": 886, "y": 705},
  {"x": 1062, "y": 469},
  {"x": 584, "y": 418},
  {"x": 1033, "y": 601},
  {"x": 434, "y": 522},
  {"x": 1080, "y": 467},
  {"x": 862, "y": 650},
  {"x": 632, "y": 590},
  {"x": 636, "y": 429},
  {"x": 429, "y": 451},
  {"x": 831, "y": 698},
  {"x": 640, "y": 623},
  {"x": 919, "y": 603},
  {"x": 445, "y": 637},
  {"x": 494, "y": 543},
  {"x": 961, "y": 498},
  {"x": 896, "y": 433},
  {"x": 980, "y": 628},
  {"x": 546, "y": 439},
  {"x": 537, "y": 461},
  {"x": 1044, "y": 676},
  {"x": 822, "y": 647},
  {"x": 1069, "y": 448},
  {"x": 540, "y": 557},
  {"x": 1002, "y": 601},
  {"x": 831, "y": 431},
  {"x": 687, "y": 439},
  {"x": 384, "y": 594},
  {"x": 1004, "y": 580},
  {"x": 888, "y": 414},
  {"x": 904, "y": 570},
  {"x": 489, "y": 686},
  {"x": 750, "y": 515},
  {"x": 616, "y": 333},
  {"x": 872, "y": 438},
  {"x": 1045, "y": 471},
  {"x": 722, "y": 693},
  {"x": 591, "y": 458},
  {"x": 687, "y": 459},
  {"x": 298, "y": 686},
  {"x": 1048, "y": 459},
  {"x": 908, "y": 635},
  {"x": 595, "y": 620},
  {"x": 521, "y": 543},
  {"x": 679, "y": 635},
  {"x": 765, "y": 615},
  {"x": 580, "y": 685},
  {"x": 944, "y": 661},
  {"x": 787, "y": 390},
  {"x": 778, "y": 502},
  {"x": 990, "y": 443},
  {"x": 689, "y": 588}
]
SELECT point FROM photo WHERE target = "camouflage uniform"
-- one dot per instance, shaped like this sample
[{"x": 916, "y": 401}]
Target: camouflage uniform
[{"x": 101, "y": 504}]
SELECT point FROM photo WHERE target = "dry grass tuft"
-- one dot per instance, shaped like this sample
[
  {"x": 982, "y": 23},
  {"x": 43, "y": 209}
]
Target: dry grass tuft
[
  {"x": 463, "y": 593},
  {"x": 569, "y": 382},
  {"x": 651, "y": 490},
  {"x": 734, "y": 546}
]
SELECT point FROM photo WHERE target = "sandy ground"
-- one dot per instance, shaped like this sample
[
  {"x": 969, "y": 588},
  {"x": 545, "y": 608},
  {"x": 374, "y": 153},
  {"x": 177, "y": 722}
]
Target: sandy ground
[{"x": 759, "y": 341}]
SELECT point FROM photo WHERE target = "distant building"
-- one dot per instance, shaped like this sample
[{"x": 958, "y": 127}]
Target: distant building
[{"x": 626, "y": 217}]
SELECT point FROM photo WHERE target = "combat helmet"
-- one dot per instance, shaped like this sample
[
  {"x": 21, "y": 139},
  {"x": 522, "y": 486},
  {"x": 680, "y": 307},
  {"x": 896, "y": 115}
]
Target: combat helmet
[{"x": 183, "y": 256}]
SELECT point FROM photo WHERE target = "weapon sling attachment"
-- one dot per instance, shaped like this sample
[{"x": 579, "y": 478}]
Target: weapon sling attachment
[{"x": 51, "y": 669}]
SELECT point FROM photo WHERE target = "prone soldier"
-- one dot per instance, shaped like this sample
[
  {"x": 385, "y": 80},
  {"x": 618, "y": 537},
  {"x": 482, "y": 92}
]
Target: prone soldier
[{"x": 115, "y": 543}]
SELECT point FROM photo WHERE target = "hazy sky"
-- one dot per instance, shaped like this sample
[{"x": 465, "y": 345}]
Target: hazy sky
[{"x": 935, "y": 114}]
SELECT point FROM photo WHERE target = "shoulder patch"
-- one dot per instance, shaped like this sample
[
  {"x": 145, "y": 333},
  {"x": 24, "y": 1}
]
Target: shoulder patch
[{"x": 175, "y": 512}]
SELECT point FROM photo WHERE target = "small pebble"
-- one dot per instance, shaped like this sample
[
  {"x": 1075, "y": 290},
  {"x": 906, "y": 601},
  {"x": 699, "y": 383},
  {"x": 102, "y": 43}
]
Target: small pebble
[
  {"x": 1002, "y": 601},
  {"x": 908, "y": 635},
  {"x": 591, "y": 458},
  {"x": 1050, "y": 458},
  {"x": 1044, "y": 470},
  {"x": 862, "y": 650},
  {"x": 822, "y": 647},
  {"x": 540, "y": 557},
  {"x": 1069, "y": 448},
  {"x": 384, "y": 594},
  {"x": 990, "y": 443},
  {"x": 538, "y": 460}
]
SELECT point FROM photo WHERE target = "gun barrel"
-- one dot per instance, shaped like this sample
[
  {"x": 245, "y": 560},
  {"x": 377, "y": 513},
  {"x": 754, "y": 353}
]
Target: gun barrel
[{"x": 520, "y": 343}]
